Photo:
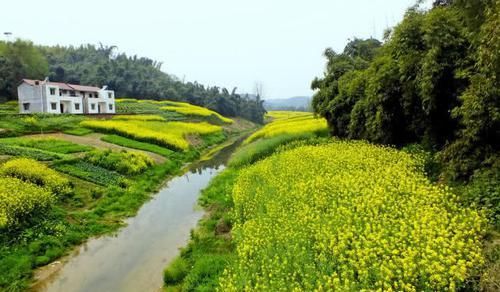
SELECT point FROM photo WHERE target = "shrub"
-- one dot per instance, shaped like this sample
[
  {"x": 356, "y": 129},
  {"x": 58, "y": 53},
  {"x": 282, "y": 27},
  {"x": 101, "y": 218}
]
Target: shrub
[
  {"x": 19, "y": 200},
  {"x": 35, "y": 172},
  {"x": 124, "y": 162},
  {"x": 175, "y": 272},
  {"x": 349, "y": 216}
]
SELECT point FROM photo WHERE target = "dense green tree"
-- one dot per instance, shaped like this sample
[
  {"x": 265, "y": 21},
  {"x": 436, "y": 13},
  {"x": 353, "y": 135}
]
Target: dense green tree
[
  {"x": 434, "y": 81},
  {"x": 19, "y": 59}
]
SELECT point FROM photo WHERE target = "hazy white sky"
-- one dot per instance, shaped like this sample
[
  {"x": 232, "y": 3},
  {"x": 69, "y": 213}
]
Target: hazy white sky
[{"x": 278, "y": 43}]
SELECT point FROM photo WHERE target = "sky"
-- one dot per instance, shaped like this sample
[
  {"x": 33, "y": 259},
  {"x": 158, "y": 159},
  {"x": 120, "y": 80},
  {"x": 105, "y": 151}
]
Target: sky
[{"x": 229, "y": 43}]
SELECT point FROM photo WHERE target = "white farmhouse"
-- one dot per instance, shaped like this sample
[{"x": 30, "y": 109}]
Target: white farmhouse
[{"x": 37, "y": 96}]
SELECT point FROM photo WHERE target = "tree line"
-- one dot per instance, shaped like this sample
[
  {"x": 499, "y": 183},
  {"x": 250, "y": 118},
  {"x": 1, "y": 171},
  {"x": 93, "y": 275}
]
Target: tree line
[
  {"x": 129, "y": 76},
  {"x": 432, "y": 81}
]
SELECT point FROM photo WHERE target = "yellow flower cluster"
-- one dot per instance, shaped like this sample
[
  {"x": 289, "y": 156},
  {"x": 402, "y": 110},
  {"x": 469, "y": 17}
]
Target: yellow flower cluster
[
  {"x": 192, "y": 110},
  {"x": 170, "y": 134},
  {"x": 139, "y": 117},
  {"x": 37, "y": 173},
  {"x": 348, "y": 216},
  {"x": 280, "y": 115},
  {"x": 19, "y": 199},
  {"x": 289, "y": 123}
]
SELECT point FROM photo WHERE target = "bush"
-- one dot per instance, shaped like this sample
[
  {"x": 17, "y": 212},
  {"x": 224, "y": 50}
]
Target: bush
[
  {"x": 124, "y": 162},
  {"x": 35, "y": 172},
  {"x": 175, "y": 272},
  {"x": 484, "y": 191},
  {"x": 20, "y": 200}
]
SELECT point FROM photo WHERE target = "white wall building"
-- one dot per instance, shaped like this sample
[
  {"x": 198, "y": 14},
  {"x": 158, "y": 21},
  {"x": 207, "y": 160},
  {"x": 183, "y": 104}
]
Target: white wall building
[{"x": 37, "y": 96}]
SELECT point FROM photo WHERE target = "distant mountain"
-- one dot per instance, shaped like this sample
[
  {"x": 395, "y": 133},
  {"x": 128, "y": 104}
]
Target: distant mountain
[{"x": 298, "y": 103}]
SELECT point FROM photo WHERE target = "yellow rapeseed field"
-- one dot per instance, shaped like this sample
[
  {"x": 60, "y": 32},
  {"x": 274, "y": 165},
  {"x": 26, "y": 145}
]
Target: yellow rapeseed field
[
  {"x": 36, "y": 172},
  {"x": 192, "y": 110},
  {"x": 139, "y": 117},
  {"x": 26, "y": 187},
  {"x": 289, "y": 123},
  {"x": 170, "y": 134},
  {"x": 348, "y": 216},
  {"x": 280, "y": 115}
]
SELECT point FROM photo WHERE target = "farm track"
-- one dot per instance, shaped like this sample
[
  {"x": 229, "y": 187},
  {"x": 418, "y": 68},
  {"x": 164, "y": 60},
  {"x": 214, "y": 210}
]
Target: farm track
[{"x": 94, "y": 140}]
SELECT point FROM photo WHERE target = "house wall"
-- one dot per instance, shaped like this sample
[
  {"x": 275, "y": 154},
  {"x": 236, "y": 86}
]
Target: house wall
[
  {"x": 41, "y": 99},
  {"x": 33, "y": 95}
]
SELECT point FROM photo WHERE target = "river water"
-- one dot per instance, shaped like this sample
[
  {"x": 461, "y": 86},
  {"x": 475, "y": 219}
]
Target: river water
[{"x": 134, "y": 258}]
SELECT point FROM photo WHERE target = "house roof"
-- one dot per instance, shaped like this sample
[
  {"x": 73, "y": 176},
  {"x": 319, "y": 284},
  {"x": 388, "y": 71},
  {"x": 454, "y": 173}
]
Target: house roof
[{"x": 65, "y": 86}]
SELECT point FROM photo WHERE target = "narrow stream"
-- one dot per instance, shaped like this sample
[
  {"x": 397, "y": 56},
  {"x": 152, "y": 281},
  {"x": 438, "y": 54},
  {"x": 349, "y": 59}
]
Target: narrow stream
[{"x": 134, "y": 258}]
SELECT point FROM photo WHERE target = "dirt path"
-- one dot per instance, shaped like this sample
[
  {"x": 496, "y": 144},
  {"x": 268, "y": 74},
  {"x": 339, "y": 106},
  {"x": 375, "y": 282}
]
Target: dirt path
[{"x": 94, "y": 140}]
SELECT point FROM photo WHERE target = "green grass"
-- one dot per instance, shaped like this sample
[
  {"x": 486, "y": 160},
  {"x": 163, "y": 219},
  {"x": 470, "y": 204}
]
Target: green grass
[
  {"x": 262, "y": 148},
  {"x": 47, "y": 144},
  {"x": 9, "y": 107},
  {"x": 131, "y": 106},
  {"x": 78, "y": 131},
  {"x": 126, "y": 142},
  {"x": 16, "y": 125}
]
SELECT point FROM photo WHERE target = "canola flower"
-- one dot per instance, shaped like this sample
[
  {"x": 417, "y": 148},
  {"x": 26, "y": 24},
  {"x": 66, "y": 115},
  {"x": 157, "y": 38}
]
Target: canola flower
[
  {"x": 169, "y": 134},
  {"x": 37, "y": 173},
  {"x": 19, "y": 199},
  {"x": 281, "y": 115},
  {"x": 348, "y": 216},
  {"x": 139, "y": 117},
  {"x": 192, "y": 110},
  {"x": 294, "y": 123}
]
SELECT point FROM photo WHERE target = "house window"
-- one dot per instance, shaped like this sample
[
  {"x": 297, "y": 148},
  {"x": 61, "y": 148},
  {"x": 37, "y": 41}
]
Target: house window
[
  {"x": 92, "y": 106},
  {"x": 26, "y": 106},
  {"x": 90, "y": 94},
  {"x": 110, "y": 107},
  {"x": 53, "y": 106},
  {"x": 77, "y": 106},
  {"x": 110, "y": 95},
  {"x": 52, "y": 91}
]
